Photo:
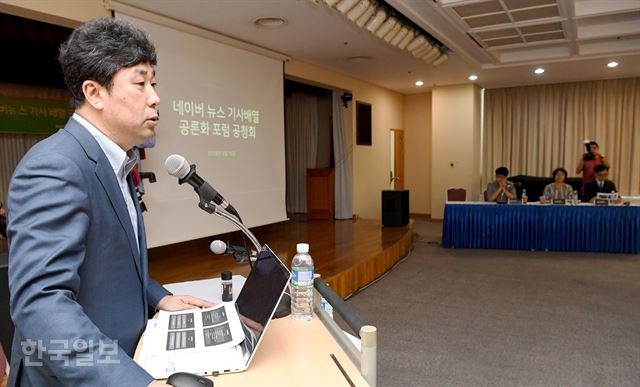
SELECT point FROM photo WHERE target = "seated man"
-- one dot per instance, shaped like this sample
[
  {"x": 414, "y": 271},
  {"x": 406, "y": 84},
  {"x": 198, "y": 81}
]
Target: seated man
[
  {"x": 501, "y": 190},
  {"x": 600, "y": 184}
]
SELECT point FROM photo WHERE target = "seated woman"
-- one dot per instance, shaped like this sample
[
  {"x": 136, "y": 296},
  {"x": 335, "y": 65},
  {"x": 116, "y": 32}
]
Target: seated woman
[{"x": 558, "y": 190}]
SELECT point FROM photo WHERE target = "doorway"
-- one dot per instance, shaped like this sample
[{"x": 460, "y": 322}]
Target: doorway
[{"x": 396, "y": 151}]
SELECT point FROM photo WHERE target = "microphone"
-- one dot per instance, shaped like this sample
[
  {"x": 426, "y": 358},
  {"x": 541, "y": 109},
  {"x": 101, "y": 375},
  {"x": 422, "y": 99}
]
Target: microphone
[
  {"x": 179, "y": 167},
  {"x": 240, "y": 254}
]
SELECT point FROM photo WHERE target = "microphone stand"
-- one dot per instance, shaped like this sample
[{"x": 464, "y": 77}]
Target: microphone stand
[
  {"x": 210, "y": 208},
  {"x": 206, "y": 193}
]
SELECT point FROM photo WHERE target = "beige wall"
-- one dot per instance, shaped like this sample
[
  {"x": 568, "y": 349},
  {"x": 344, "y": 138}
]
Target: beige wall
[
  {"x": 455, "y": 143},
  {"x": 417, "y": 121},
  {"x": 69, "y": 13},
  {"x": 370, "y": 163}
]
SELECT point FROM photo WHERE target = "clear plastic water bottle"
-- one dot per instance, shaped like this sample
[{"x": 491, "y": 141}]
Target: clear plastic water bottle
[
  {"x": 524, "y": 196},
  {"x": 575, "y": 198},
  {"x": 302, "y": 284}
]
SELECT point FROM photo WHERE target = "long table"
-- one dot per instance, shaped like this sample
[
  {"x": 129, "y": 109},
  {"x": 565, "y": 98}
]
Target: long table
[{"x": 543, "y": 227}]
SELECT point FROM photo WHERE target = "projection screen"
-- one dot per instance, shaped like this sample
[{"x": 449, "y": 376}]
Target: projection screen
[{"x": 221, "y": 108}]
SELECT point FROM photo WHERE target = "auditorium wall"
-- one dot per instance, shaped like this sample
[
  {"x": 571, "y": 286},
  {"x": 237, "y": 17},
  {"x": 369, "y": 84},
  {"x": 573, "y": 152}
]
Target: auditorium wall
[
  {"x": 417, "y": 125},
  {"x": 455, "y": 143},
  {"x": 370, "y": 163}
]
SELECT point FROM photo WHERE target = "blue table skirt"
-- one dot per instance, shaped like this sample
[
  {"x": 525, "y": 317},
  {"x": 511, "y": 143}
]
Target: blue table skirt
[{"x": 614, "y": 229}]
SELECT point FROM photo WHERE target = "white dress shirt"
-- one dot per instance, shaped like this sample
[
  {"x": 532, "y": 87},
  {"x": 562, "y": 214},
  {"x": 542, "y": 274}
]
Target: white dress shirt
[{"x": 121, "y": 162}]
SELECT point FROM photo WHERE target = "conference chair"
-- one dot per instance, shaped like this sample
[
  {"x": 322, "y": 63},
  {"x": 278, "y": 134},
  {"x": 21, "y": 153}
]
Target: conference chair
[
  {"x": 456, "y": 195},
  {"x": 485, "y": 195}
]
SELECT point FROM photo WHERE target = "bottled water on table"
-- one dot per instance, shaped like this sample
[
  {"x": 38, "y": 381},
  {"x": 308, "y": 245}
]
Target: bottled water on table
[{"x": 302, "y": 283}]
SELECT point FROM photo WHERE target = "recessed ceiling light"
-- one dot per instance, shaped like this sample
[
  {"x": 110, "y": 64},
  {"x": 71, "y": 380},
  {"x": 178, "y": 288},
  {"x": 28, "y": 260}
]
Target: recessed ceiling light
[
  {"x": 419, "y": 83},
  {"x": 539, "y": 70},
  {"x": 359, "y": 59},
  {"x": 270, "y": 22},
  {"x": 473, "y": 77},
  {"x": 612, "y": 64}
]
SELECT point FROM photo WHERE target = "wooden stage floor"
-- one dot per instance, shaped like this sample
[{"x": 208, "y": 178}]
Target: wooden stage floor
[{"x": 348, "y": 254}]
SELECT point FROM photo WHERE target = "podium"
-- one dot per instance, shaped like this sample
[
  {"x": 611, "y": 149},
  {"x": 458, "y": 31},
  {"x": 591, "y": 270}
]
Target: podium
[
  {"x": 281, "y": 359},
  {"x": 320, "y": 199}
]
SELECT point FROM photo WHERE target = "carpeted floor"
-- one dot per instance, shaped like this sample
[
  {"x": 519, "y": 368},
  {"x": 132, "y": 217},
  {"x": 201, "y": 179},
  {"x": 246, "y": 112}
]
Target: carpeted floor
[{"x": 456, "y": 317}]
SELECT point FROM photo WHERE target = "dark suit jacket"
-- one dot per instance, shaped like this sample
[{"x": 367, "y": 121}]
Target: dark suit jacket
[
  {"x": 591, "y": 189},
  {"x": 77, "y": 278}
]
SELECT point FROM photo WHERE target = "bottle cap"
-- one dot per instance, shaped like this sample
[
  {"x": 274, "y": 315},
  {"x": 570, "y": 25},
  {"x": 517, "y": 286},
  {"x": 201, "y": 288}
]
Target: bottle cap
[
  {"x": 226, "y": 275},
  {"x": 302, "y": 248}
]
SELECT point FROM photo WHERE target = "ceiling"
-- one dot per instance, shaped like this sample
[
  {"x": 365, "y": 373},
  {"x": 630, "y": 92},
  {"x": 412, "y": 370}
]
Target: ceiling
[
  {"x": 501, "y": 41},
  {"x": 512, "y": 31}
]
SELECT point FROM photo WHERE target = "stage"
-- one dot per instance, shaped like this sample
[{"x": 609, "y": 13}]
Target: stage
[{"x": 348, "y": 254}]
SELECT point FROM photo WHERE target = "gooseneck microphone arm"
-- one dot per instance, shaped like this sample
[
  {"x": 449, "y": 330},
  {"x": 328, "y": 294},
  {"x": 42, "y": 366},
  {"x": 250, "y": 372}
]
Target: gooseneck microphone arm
[
  {"x": 203, "y": 189},
  {"x": 230, "y": 218},
  {"x": 206, "y": 192},
  {"x": 210, "y": 200},
  {"x": 208, "y": 205}
]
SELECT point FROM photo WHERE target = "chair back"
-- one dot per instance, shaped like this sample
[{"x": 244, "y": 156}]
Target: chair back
[
  {"x": 456, "y": 195},
  {"x": 485, "y": 195}
]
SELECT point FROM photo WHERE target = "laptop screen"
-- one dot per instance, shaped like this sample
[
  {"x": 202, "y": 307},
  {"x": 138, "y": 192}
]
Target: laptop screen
[{"x": 259, "y": 297}]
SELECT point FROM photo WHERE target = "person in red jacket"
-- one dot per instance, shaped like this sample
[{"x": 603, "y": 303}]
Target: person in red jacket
[{"x": 589, "y": 161}]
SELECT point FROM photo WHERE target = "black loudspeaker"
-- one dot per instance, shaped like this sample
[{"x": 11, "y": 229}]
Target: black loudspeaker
[
  {"x": 6, "y": 325},
  {"x": 395, "y": 208}
]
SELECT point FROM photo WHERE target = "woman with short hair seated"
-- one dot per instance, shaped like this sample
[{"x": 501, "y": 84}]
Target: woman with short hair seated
[{"x": 558, "y": 190}]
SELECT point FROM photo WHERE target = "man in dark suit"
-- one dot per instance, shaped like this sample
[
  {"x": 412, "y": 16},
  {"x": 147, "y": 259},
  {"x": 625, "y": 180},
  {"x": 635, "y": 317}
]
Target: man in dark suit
[
  {"x": 600, "y": 184},
  {"x": 78, "y": 273}
]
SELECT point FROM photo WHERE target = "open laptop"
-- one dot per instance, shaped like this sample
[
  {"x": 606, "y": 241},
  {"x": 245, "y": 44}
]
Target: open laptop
[{"x": 255, "y": 306}]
